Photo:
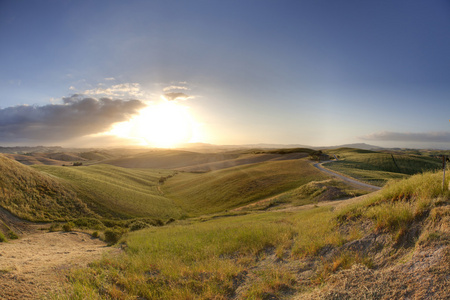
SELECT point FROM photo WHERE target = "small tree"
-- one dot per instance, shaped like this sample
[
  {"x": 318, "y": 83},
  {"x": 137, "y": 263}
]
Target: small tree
[{"x": 316, "y": 155}]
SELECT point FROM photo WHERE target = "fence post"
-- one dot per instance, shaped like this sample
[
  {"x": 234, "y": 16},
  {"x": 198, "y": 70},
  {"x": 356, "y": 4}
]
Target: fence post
[{"x": 444, "y": 161}]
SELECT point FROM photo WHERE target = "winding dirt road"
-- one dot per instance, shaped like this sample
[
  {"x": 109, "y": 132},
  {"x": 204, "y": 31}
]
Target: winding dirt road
[{"x": 347, "y": 179}]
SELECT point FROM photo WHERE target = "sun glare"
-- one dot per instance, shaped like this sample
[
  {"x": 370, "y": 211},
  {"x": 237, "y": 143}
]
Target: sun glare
[{"x": 165, "y": 125}]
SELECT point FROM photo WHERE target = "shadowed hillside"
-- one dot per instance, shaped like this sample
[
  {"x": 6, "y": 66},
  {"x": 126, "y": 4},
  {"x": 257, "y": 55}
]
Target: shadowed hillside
[
  {"x": 168, "y": 159},
  {"x": 118, "y": 192},
  {"x": 204, "y": 162},
  {"x": 229, "y": 188},
  {"x": 34, "y": 196}
]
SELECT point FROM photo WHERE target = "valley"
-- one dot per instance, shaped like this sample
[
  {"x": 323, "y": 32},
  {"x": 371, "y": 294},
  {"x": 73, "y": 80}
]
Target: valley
[{"x": 238, "y": 224}]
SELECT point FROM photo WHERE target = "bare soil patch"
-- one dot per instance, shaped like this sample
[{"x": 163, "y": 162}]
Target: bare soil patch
[{"x": 35, "y": 264}]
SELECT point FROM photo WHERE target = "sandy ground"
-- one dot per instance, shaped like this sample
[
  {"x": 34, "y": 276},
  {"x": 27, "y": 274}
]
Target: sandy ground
[{"x": 35, "y": 264}]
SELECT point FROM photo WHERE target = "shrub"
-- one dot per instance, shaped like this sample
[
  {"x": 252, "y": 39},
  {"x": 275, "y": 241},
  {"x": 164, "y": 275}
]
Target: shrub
[
  {"x": 54, "y": 227},
  {"x": 12, "y": 235},
  {"x": 2, "y": 238},
  {"x": 89, "y": 223},
  {"x": 171, "y": 220},
  {"x": 68, "y": 226},
  {"x": 138, "y": 225},
  {"x": 112, "y": 236},
  {"x": 95, "y": 234}
]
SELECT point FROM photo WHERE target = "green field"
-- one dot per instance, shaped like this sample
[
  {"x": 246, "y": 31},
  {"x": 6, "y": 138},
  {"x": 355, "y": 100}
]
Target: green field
[
  {"x": 212, "y": 251},
  {"x": 203, "y": 260},
  {"x": 35, "y": 196},
  {"x": 118, "y": 192},
  {"x": 221, "y": 190},
  {"x": 378, "y": 167},
  {"x": 260, "y": 255}
]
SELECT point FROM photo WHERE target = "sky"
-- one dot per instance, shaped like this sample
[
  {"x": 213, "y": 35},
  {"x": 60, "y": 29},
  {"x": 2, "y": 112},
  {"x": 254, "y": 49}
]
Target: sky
[{"x": 158, "y": 73}]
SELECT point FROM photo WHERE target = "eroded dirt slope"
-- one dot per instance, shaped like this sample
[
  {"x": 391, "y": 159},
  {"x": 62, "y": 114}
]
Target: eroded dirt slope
[{"x": 35, "y": 264}]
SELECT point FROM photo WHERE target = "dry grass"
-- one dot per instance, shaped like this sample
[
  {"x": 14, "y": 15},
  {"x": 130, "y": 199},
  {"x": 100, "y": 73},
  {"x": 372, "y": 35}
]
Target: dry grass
[{"x": 221, "y": 190}]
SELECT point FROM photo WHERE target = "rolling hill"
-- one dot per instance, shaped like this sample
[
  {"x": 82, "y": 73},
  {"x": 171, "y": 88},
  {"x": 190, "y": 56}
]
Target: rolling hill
[
  {"x": 32, "y": 195},
  {"x": 377, "y": 167},
  {"x": 220, "y": 190},
  {"x": 115, "y": 192}
]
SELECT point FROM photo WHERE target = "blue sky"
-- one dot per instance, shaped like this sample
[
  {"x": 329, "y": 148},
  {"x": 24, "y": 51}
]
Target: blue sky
[{"x": 290, "y": 72}]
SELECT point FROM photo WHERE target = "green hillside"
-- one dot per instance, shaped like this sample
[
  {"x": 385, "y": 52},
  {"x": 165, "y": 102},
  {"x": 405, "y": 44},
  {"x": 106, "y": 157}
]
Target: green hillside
[
  {"x": 233, "y": 187},
  {"x": 117, "y": 192},
  {"x": 398, "y": 235},
  {"x": 32, "y": 195},
  {"x": 167, "y": 159},
  {"x": 378, "y": 167}
]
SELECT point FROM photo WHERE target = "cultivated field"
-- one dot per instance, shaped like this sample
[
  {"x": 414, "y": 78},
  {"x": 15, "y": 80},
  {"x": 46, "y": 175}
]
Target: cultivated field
[{"x": 379, "y": 167}]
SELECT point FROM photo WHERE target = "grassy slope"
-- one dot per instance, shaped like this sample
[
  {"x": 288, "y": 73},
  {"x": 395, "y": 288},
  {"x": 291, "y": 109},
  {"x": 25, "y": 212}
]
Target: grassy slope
[
  {"x": 378, "y": 167},
  {"x": 117, "y": 192},
  {"x": 167, "y": 159},
  {"x": 279, "y": 254},
  {"x": 225, "y": 189},
  {"x": 34, "y": 196}
]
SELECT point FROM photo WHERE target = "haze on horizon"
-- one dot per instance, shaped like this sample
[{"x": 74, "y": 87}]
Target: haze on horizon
[{"x": 160, "y": 73}]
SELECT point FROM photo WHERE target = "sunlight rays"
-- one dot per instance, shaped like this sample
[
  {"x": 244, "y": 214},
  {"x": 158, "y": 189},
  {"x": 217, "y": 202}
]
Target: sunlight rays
[{"x": 165, "y": 124}]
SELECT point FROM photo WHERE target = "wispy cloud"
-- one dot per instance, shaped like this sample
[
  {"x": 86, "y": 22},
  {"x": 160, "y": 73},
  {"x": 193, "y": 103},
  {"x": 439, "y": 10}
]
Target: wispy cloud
[
  {"x": 425, "y": 137},
  {"x": 176, "y": 96},
  {"x": 118, "y": 90},
  {"x": 175, "y": 87},
  {"x": 76, "y": 117},
  {"x": 110, "y": 78}
]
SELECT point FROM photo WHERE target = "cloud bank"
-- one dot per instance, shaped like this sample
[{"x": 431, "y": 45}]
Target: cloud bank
[
  {"x": 421, "y": 137},
  {"x": 76, "y": 117}
]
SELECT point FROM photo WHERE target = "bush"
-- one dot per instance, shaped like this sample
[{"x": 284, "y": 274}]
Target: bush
[
  {"x": 171, "y": 220},
  {"x": 138, "y": 225},
  {"x": 2, "y": 238},
  {"x": 68, "y": 226},
  {"x": 95, "y": 234},
  {"x": 12, "y": 235},
  {"x": 112, "y": 236},
  {"x": 89, "y": 223},
  {"x": 54, "y": 227}
]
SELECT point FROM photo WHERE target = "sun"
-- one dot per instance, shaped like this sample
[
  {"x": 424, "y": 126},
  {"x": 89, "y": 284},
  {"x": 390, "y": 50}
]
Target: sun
[{"x": 165, "y": 125}]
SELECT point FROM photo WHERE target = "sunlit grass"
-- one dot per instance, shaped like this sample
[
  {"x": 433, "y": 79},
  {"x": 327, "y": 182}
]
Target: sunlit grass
[
  {"x": 210, "y": 259},
  {"x": 230, "y": 188},
  {"x": 377, "y": 167},
  {"x": 399, "y": 203},
  {"x": 118, "y": 192},
  {"x": 204, "y": 260},
  {"x": 35, "y": 196}
]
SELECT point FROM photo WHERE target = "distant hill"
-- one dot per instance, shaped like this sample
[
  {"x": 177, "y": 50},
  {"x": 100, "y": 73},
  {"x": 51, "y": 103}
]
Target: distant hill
[
  {"x": 362, "y": 146},
  {"x": 190, "y": 161},
  {"x": 202, "y": 147}
]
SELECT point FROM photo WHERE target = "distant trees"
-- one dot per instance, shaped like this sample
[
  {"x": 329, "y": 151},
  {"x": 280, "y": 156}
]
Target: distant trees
[
  {"x": 77, "y": 164},
  {"x": 318, "y": 155}
]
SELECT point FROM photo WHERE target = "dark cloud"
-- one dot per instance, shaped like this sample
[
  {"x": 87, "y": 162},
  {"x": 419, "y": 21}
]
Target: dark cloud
[
  {"x": 58, "y": 122},
  {"x": 427, "y": 137},
  {"x": 176, "y": 96}
]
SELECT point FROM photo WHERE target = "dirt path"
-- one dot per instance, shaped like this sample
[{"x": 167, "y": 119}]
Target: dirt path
[
  {"x": 35, "y": 264},
  {"x": 347, "y": 179}
]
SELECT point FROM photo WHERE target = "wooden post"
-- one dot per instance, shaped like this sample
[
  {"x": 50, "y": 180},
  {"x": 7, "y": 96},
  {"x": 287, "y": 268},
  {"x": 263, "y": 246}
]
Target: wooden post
[{"x": 444, "y": 161}]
